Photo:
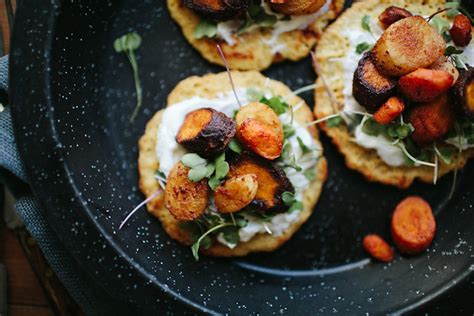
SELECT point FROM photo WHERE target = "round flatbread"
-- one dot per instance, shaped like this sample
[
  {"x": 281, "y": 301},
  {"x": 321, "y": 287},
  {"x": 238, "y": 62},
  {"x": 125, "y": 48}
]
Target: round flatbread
[
  {"x": 250, "y": 52},
  {"x": 333, "y": 47},
  {"x": 209, "y": 86}
]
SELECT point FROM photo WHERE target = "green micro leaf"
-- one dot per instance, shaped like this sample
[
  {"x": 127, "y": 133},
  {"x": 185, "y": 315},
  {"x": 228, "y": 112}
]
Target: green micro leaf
[
  {"x": 195, "y": 247},
  {"x": 254, "y": 8},
  {"x": 334, "y": 122},
  {"x": 245, "y": 26},
  {"x": 362, "y": 47},
  {"x": 459, "y": 61},
  {"x": 160, "y": 174},
  {"x": 265, "y": 20},
  {"x": 127, "y": 44},
  {"x": 373, "y": 128},
  {"x": 288, "y": 131},
  {"x": 403, "y": 131},
  {"x": 241, "y": 222},
  {"x": 451, "y": 50},
  {"x": 211, "y": 167},
  {"x": 205, "y": 28},
  {"x": 305, "y": 149},
  {"x": 446, "y": 154},
  {"x": 254, "y": 94},
  {"x": 214, "y": 183},
  {"x": 231, "y": 234},
  {"x": 297, "y": 206},
  {"x": 441, "y": 25},
  {"x": 193, "y": 160},
  {"x": 197, "y": 173},
  {"x": 288, "y": 198},
  {"x": 235, "y": 146},
  {"x": 277, "y": 104},
  {"x": 366, "y": 23},
  {"x": 310, "y": 174}
]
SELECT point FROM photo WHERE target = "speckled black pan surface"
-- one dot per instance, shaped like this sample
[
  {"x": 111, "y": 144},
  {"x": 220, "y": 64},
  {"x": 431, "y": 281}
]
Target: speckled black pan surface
[{"x": 72, "y": 100}]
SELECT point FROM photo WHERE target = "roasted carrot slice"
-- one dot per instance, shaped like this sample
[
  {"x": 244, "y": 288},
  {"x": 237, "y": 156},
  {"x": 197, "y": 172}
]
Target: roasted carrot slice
[
  {"x": 425, "y": 85},
  {"x": 377, "y": 248},
  {"x": 393, "y": 14},
  {"x": 389, "y": 111},
  {"x": 431, "y": 120},
  {"x": 461, "y": 31},
  {"x": 413, "y": 225}
]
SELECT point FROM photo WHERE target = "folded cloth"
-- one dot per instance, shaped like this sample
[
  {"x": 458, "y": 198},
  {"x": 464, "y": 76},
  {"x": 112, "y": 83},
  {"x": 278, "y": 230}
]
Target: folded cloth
[{"x": 90, "y": 297}]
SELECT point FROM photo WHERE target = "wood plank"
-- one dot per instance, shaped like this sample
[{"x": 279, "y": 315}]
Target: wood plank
[
  {"x": 22, "y": 310},
  {"x": 23, "y": 285}
]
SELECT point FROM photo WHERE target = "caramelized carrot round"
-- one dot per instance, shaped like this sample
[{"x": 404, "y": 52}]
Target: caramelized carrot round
[
  {"x": 413, "y": 225},
  {"x": 377, "y": 248},
  {"x": 389, "y": 111}
]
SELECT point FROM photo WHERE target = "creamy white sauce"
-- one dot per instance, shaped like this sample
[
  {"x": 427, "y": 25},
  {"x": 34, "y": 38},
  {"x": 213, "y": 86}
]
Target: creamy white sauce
[
  {"x": 390, "y": 154},
  {"x": 169, "y": 152},
  {"x": 227, "y": 30}
]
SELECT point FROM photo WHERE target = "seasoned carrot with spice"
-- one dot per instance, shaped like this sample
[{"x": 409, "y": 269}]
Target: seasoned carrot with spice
[
  {"x": 461, "y": 31},
  {"x": 377, "y": 248},
  {"x": 413, "y": 225},
  {"x": 389, "y": 111}
]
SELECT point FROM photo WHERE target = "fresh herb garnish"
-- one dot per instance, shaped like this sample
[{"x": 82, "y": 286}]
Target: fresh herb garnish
[
  {"x": 201, "y": 168},
  {"x": 304, "y": 148},
  {"x": 235, "y": 146},
  {"x": 128, "y": 44},
  {"x": 205, "y": 28},
  {"x": 362, "y": 47},
  {"x": 451, "y": 50},
  {"x": 453, "y": 7},
  {"x": 254, "y": 94},
  {"x": 198, "y": 166},
  {"x": 310, "y": 174},
  {"x": 290, "y": 201},
  {"x": 257, "y": 15},
  {"x": 445, "y": 154},
  {"x": 459, "y": 61},
  {"x": 441, "y": 25},
  {"x": 334, "y": 121},
  {"x": 195, "y": 247},
  {"x": 288, "y": 130},
  {"x": 276, "y": 103},
  {"x": 221, "y": 170},
  {"x": 366, "y": 23}
]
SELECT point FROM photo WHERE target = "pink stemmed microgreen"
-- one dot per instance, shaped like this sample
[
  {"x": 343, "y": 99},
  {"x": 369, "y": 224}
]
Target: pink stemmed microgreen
[{"x": 224, "y": 60}]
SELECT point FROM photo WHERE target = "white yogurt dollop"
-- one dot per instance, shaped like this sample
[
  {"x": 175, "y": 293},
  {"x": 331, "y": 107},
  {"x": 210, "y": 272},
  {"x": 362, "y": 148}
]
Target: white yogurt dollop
[{"x": 169, "y": 152}]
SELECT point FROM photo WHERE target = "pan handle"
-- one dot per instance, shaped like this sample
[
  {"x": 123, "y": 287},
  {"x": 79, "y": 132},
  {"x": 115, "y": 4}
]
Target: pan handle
[{"x": 4, "y": 80}]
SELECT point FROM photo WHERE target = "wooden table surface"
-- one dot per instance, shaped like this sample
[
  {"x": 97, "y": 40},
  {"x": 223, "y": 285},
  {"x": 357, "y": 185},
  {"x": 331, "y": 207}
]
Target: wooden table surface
[{"x": 32, "y": 287}]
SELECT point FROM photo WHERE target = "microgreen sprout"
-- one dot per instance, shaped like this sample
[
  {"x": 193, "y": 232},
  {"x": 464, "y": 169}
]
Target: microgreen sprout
[
  {"x": 195, "y": 247},
  {"x": 224, "y": 60},
  {"x": 235, "y": 146},
  {"x": 332, "y": 98},
  {"x": 139, "y": 206},
  {"x": 362, "y": 47},
  {"x": 460, "y": 136},
  {"x": 205, "y": 28},
  {"x": 365, "y": 23},
  {"x": 300, "y": 91},
  {"x": 413, "y": 159},
  {"x": 323, "y": 119},
  {"x": 436, "y": 162},
  {"x": 128, "y": 44}
]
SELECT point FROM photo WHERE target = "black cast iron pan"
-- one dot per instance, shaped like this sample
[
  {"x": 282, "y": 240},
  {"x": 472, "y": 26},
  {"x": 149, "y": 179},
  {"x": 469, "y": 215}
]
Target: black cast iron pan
[{"x": 72, "y": 97}]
